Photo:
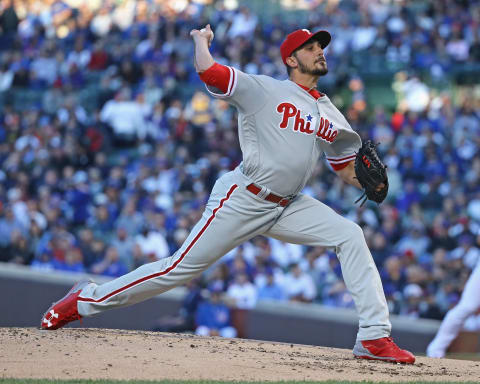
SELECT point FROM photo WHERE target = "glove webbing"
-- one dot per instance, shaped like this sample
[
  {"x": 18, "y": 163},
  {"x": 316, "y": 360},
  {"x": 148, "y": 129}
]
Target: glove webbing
[{"x": 375, "y": 157}]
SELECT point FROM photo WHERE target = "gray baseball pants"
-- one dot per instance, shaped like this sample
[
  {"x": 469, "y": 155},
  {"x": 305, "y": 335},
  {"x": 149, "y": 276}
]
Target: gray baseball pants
[{"x": 234, "y": 215}]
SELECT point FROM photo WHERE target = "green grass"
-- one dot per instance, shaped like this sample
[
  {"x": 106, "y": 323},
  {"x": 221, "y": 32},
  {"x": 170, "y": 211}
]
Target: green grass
[{"x": 44, "y": 381}]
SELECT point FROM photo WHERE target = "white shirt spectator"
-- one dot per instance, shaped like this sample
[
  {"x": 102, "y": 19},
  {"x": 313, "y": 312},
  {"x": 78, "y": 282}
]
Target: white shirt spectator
[
  {"x": 163, "y": 185},
  {"x": 153, "y": 243},
  {"x": 125, "y": 117},
  {"x": 27, "y": 140},
  {"x": 101, "y": 23},
  {"x": 81, "y": 59},
  {"x": 470, "y": 255},
  {"x": 417, "y": 94},
  {"x": 26, "y": 27},
  {"x": 243, "y": 292},
  {"x": 396, "y": 24},
  {"x": 19, "y": 207},
  {"x": 417, "y": 243},
  {"x": 143, "y": 47},
  {"x": 124, "y": 14},
  {"x": 244, "y": 23},
  {"x": 248, "y": 250},
  {"x": 299, "y": 286},
  {"x": 45, "y": 68},
  {"x": 378, "y": 12},
  {"x": 363, "y": 37},
  {"x": 278, "y": 276},
  {"x": 344, "y": 34},
  {"x": 320, "y": 265},
  {"x": 458, "y": 49},
  {"x": 6, "y": 79},
  {"x": 285, "y": 254}
]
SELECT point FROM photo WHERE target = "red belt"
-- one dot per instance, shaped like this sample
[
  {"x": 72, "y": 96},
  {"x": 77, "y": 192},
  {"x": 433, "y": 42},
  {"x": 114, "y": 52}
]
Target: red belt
[{"x": 282, "y": 201}]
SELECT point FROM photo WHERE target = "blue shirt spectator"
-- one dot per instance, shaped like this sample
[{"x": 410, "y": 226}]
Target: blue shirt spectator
[
  {"x": 213, "y": 316},
  {"x": 271, "y": 290}
]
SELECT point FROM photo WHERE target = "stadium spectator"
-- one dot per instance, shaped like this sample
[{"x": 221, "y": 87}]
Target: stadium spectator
[
  {"x": 184, "y": 320},
  {"x": 152, "y": 244},
  {"x": 270, "y": 290},
  {"x": 124, "y": 245},
  {"x": 299, "y": 286},
  {"x": 110, "y": 265},
  {"x": 213, "y": 316},
  {"x": 242, "y": 293}
]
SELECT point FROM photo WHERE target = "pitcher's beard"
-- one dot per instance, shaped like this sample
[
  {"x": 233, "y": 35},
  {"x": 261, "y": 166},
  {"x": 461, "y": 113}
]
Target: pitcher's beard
[{"x": 314, "y": 72}]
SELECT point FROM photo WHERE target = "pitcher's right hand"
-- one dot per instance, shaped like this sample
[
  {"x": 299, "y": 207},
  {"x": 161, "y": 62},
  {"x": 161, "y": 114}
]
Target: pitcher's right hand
[{"x": 205, "y": 33}]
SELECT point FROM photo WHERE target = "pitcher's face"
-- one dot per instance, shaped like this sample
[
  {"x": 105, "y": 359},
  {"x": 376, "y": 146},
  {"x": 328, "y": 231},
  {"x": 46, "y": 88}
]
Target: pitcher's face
[{"x": 311, "y": 60}]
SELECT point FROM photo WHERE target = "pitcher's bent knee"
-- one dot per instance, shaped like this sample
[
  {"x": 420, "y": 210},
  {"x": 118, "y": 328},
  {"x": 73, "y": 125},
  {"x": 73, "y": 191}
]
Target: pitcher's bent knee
[{"x": 353, "y": 232}]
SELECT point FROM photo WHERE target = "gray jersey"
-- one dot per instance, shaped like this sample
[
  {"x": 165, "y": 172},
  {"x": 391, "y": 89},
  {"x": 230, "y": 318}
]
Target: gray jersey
[{"x": 283, "y": 130}]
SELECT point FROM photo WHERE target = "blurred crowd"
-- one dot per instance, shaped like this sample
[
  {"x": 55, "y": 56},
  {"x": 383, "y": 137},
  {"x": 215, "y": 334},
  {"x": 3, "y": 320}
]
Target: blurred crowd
[{"x": 106, "y": 188}]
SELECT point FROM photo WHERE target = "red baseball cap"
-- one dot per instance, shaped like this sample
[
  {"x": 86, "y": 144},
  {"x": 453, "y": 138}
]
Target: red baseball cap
[{"x": 300, "y": 37}]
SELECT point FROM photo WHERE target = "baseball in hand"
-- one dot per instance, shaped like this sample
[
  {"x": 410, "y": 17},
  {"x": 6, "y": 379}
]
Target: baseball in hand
[{"x": 204, "y": 32}]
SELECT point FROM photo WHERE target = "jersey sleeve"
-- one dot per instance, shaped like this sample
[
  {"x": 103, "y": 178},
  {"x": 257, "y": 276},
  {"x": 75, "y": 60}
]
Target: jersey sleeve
[
  {"x": 246, "y": 92},
  {"x": 338, "y": 163},
  {"x": 344, "y": 148}
]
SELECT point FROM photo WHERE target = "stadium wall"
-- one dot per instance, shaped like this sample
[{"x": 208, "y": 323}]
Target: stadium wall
[{"x": 27, "y": 294}]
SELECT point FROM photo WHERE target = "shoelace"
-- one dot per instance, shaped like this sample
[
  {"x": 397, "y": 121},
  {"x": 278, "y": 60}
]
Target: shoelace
[{"x": 390, "y": 340}]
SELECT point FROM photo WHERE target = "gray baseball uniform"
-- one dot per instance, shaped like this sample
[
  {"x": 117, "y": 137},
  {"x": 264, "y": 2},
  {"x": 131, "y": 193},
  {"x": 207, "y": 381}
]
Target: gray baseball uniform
[{"x": 283, "y": 130}]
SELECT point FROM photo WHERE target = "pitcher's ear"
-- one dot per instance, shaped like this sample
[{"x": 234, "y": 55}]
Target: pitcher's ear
[{"x": 292, "y": 61}]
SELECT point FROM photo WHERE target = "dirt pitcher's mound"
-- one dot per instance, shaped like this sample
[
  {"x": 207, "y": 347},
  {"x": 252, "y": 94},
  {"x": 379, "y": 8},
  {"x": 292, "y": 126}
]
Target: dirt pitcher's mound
[{"x": 116, "y": 354}]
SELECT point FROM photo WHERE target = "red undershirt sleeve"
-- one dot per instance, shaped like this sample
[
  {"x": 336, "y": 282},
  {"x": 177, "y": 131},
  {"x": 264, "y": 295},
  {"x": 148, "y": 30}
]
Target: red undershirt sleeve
[{"x": 217, "y": 76}]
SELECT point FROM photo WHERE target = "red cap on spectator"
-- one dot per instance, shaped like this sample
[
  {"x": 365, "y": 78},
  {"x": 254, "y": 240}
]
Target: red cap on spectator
[{"x": 300, "y": 37}]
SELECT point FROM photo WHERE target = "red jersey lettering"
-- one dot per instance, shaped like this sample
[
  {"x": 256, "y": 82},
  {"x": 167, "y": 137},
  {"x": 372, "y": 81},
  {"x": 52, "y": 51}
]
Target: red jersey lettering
[
  {"x": 306, "y": 124},
  {"x": 326, "y": 131},
  {"x": 288, "y": 110},
  {"x": 300, "y": 124}
]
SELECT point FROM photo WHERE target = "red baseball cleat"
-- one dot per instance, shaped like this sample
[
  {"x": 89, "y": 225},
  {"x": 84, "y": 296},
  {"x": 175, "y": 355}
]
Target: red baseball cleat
[
  {"x": 65, "y": 310},
  {"x": 382, "y": 349}
]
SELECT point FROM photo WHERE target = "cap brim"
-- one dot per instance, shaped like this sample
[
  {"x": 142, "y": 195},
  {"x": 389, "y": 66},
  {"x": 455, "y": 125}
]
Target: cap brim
[{"x": 323, "y": 37}]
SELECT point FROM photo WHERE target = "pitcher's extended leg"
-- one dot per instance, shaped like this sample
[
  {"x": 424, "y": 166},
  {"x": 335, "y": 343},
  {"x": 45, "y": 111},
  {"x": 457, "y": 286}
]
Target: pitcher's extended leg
[
  {"x": 225, "y": 224},
  {"x": 308, "y": 221}
]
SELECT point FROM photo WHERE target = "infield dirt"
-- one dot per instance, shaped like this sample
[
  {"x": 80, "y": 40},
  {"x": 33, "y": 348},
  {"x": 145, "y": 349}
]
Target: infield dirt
[{"x": 74, "y": 353}]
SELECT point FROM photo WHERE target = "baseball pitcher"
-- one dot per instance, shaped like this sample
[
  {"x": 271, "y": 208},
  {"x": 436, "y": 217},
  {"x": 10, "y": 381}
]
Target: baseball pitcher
[{"x": 284, "y": 126}]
